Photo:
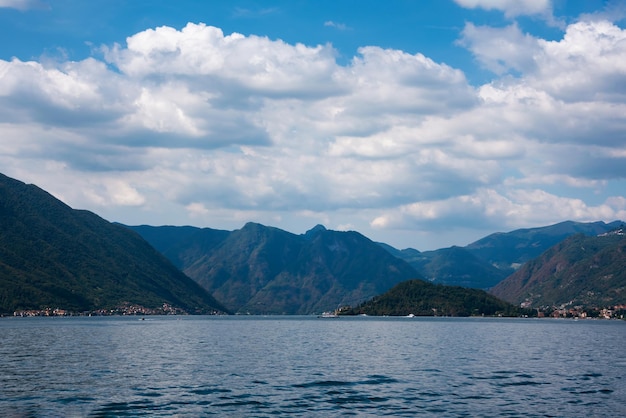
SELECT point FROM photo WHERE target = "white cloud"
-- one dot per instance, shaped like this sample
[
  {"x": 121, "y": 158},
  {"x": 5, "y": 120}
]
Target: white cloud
[
  {"x": 501, "y": 49},
  {"x": 511, "y": 8},
  {"x": 235, "y": 64},
  {"x": 121, "y": 193},
  {"x": 242, "y": 12},
  {"x": 197, "y": 210},
  {"x": 612, "y": 11},
  {"x": 339, "y": 26},
  {"x": 518, "y": 208},
  {"x": 192, "y": 125},
  {"x": 24, "y": 5},
  {"x": 588, "y": 63}
]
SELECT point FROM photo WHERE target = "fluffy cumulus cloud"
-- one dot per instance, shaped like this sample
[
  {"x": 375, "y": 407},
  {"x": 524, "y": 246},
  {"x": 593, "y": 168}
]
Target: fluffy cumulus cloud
[
  {"x": 256, "y": 66},
  {"x": 195, "y": 126},
  {"x": 501, "y": 50}
]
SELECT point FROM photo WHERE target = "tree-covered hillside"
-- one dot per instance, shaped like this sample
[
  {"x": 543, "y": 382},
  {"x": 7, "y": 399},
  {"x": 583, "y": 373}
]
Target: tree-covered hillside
[
  {"x": 580, "y": 271},
  {"x": 52, "y": 256},
  {"x": 264, "y": 270},
  {"x": 416, "y": 297},
  {"x": 486, "y": 262}
]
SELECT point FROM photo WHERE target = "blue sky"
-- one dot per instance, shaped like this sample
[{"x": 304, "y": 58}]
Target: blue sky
[
  {"x": 418, "y": 123},
  {"x": 72, "y": 28}
]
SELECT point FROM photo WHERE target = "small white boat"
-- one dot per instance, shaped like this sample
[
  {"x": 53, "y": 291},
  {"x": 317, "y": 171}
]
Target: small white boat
[{"x": 328, "y": 315}]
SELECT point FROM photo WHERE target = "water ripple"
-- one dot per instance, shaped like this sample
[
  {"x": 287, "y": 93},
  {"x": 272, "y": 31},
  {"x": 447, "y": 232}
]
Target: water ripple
[{"x": 386, "y": 367}]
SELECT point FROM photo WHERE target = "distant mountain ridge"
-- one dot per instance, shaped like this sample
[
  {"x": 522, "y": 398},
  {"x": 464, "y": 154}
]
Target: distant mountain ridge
[
  {"x": 265, "y": 270},
  {"x": 509, "y": 250},
  {"x": 454, "y": 266},
  {"x": 486, "y": 262},
  {"x": 52, "y": 256},
  {"x": 260, "y": 269}
]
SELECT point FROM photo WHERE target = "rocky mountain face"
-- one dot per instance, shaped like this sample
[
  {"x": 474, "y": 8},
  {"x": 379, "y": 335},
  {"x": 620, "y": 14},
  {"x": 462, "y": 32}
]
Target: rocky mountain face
[
  {"x": 264, "y": 270},
  {"x": 581, "y": 270},
  {"x": 52, "y": 256}
]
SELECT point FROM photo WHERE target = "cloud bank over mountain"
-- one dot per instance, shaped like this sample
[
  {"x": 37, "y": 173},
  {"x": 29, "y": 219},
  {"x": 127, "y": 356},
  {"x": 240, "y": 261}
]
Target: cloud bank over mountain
[{"x": 195, "y": 126}]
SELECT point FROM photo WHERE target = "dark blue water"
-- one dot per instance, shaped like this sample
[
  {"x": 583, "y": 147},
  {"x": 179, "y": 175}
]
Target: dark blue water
[{"x": 300, "y": 366}]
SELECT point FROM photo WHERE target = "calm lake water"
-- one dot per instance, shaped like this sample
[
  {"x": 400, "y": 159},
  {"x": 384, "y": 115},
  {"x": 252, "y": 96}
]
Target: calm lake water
[{"x": 304, "y": 366}]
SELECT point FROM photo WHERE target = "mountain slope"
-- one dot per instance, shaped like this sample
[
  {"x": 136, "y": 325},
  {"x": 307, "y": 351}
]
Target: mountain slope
[
  {"x": 508, "y": 251},
  {"x": 488, "y": 261},
  {"x": 181, "y": 245},
  {"x": 582, "y": 270},
  {"x": 54, "y": 256},
  {"x": 260, "y": 269},
  {"x": 243, "y": 264},
  {"x": 453, "y": 266}
]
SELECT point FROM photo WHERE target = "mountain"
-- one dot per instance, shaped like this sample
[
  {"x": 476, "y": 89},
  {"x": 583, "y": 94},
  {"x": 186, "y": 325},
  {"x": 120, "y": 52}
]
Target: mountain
[
  {"x": 416, "y": 297},
  {"x": 181, "y": 245},
  {"x": 264, "y": 270},
  {"x": 488, "y": 261},
  {"x": 54, "y": 256},
  {"x": 508, "y": 251},
  {"x": 581, "y": 270},
  {"x": 455, "y": 266}
]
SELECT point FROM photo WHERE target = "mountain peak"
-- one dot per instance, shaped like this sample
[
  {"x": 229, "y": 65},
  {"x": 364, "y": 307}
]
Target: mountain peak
[
  {"x": 252, "y": 225},
  {"x": 311, "y": 233}
]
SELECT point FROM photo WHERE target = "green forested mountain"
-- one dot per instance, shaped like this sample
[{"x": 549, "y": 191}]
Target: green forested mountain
[
  {"x": 55, "y": 256},
  {"x": 259, "y": 269},
  {"x": 486, "y": 262},
  {"x": 509, "y": 250},
  {"x": 52, "y": 256},
  {"x": 455, "y": 266},
  {"x": 581, "y": 270},
  {"x": 182, "y": 245},
  {"x": 416, "y": 297}
]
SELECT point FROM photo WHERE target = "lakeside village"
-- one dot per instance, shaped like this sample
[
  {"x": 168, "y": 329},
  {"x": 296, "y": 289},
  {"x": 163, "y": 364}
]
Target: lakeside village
[
  {"x": 125, "y": 309},
  {"x": 580, "y": 312},
  {"x": 576, "y": 312}
]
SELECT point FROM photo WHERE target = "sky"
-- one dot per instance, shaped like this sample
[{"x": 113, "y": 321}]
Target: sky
[{"x": 421, "y": 124}]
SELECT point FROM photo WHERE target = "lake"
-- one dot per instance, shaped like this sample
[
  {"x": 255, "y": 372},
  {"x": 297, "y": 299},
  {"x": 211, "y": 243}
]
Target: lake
[{"x": 237, "y": 366}]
